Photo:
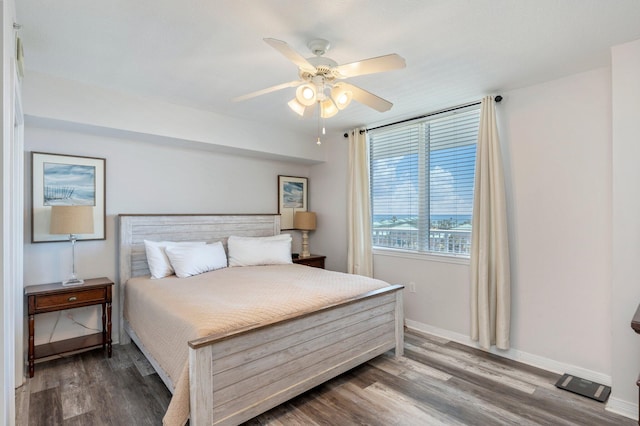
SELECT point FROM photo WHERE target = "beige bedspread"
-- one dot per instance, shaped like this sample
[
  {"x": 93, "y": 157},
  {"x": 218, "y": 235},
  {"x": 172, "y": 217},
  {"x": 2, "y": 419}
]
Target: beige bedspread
[{"x": 167, "y": 313}]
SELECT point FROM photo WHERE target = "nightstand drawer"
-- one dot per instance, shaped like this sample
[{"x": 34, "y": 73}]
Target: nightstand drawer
[
  {"x": 315, "y": 260},
  {"x": 70, "y": 300}
]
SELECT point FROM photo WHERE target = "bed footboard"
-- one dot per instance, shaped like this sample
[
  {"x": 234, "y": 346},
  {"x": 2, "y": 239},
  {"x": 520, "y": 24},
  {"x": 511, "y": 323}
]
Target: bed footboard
[{"x": 236, "y": 376}]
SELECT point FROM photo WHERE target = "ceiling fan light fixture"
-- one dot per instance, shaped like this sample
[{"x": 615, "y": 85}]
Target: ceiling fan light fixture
[
  {"x": 341, "y": 96},
  {"x": 306, "y": 94},
  {"x": 316, "y": 83},
  {"x": 328, "y": 108},
  {"x": 296, "y": 107}
]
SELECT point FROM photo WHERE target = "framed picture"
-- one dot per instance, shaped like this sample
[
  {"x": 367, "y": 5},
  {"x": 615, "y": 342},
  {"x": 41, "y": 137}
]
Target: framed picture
[
  {"x": 66, "y": 180},
  {"x": 292, "y": 198}
]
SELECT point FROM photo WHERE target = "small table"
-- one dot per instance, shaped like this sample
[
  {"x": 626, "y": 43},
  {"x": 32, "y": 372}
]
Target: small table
[
  {"x": 55, "y": 297},
  {"x": 315, "y": 260}
]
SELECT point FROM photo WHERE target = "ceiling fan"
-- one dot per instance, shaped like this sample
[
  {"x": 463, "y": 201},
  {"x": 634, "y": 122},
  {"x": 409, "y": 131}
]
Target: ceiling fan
[{"x": 321, "y": 80}]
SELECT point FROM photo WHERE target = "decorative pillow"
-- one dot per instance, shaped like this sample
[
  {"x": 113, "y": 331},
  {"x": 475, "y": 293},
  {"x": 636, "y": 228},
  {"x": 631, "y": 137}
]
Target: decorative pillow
[
  {"x": 157, "y": 259},
  {"x": 194, "y": 260},
  {"x": 249, "y": 251}
]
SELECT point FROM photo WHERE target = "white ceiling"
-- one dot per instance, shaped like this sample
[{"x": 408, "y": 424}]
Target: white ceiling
[{"x": 203, "y": 53}]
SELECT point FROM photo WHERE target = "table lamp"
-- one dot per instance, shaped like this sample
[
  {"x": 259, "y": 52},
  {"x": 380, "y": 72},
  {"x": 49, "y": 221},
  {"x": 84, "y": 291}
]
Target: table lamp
[
  {"x": 305, "y": 221},
  {"x": 72, "y": 220}
]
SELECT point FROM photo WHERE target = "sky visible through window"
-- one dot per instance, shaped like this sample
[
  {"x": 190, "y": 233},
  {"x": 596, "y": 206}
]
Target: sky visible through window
[
  {"x": 453, "y": 170},
  {"x": 397, "y": 189}
]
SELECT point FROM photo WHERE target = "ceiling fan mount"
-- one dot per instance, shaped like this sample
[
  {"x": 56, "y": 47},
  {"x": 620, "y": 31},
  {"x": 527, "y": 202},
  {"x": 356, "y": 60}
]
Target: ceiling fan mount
[
  {"x": 323, "y": 69},
  {"x": 317, "y": 79},
  {"x": 319, "y": 46}
]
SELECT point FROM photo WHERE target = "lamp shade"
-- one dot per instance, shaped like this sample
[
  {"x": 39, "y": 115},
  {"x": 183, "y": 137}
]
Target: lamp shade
[
  {"x": 305, "y": 221},
  {"x": 306, "y": 94},
  {"x": 328, "y": 108},
  {"x": 341, "y": 96},
  {"x": 71, "y": 220},
  {"x": 296, "y": 106}
]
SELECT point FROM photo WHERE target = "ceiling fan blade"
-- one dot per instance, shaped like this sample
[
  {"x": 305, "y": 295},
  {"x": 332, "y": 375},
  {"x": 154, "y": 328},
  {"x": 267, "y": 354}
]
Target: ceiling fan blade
[
  {"x": 267, "y": 90},
  {"x": 291, "y": 54},
  {"x": 370, "y": 66},
  {"x": 368, "y": 98}
]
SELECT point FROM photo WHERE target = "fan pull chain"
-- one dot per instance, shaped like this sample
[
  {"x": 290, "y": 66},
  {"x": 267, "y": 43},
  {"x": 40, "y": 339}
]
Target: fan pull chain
[{"x": 319, "y": 114}]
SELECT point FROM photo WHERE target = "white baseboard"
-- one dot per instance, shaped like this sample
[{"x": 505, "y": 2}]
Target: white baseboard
[
  {"x": 618, "y": 406},
  {"x": 515, "y": 354},
  {"x": 624, "y": 408}
]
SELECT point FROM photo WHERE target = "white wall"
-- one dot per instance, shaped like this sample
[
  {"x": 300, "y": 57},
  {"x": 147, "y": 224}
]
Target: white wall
[
  {"x": 328, "y": 198},
  {"x": 441, "y": 301},
  {"x": 10, "y": 260},
  {"x": 141, "y": 178},
  {"x": 71, "y": 104},
  {"x": 557, "y": 151},
  {"x": 558, "y": 142},
  {"x": 626, "y": 226}
]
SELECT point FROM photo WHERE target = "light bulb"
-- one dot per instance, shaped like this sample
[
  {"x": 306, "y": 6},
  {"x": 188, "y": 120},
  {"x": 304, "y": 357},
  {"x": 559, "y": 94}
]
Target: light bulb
[
  {"x": 341, "y": 95},
  {"x": 319, "y": 143},
  {"x": 307, "y": 93}
]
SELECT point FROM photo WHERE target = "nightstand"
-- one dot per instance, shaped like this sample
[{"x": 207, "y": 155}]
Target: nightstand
[
  {"x": 55, "y": 297},
  {"x": 315, "y": 260}
]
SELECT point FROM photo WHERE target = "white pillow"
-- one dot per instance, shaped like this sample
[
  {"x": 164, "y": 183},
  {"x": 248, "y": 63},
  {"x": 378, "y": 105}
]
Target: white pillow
[
  {"x": 249, "y": 251},
  {"x": 194, "y": 260},
  {"x": 158, "y": 262}
]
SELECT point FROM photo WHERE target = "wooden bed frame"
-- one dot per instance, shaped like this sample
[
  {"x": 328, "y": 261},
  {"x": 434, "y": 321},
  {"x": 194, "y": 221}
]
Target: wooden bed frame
[{"x": 231, "y": 375}]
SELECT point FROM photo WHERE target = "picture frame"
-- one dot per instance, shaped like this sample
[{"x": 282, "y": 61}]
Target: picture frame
[
  {"x": 67, "y": 180},
  {"x": 293, "y": 196}
]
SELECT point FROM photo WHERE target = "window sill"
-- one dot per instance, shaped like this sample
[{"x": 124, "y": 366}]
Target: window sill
[{"x": 430, "y": 257}]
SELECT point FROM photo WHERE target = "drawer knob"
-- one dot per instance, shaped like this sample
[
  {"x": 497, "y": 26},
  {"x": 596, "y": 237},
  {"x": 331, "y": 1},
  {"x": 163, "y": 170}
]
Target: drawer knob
[{"x": 72, "y": 299}]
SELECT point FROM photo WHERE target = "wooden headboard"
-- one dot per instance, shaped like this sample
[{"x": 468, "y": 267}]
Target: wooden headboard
[{"x": 134, "y": 229}]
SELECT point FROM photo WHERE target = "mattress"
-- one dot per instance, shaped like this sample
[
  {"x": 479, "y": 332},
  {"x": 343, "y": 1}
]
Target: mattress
[{"x": 167, "y": 313}]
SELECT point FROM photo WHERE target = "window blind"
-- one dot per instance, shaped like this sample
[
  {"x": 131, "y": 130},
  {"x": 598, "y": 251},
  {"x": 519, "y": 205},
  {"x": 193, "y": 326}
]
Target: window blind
[{"x": 422, "y": 176}]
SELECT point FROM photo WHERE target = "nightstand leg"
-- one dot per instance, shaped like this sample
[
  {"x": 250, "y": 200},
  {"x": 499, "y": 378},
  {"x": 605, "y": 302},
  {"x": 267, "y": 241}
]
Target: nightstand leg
[
  {"x": 104, "y": 326},
  {"x": 31, "y": 346},
  {"x": 109, "y": 329}
]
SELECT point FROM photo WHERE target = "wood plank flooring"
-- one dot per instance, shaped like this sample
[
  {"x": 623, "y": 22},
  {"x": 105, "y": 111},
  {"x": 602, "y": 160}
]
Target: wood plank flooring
[{"x": 437, "y": 382}]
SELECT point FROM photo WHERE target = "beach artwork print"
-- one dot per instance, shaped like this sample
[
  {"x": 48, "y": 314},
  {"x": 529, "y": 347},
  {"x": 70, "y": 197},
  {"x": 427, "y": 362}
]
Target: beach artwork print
[
  {"x": 66, "y": 180},
  {"x": 69, "y": 185},
  {"x": 293, "y": 195}
]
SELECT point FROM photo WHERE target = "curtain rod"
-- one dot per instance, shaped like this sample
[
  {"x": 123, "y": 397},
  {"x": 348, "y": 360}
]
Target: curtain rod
[{"x": 498, "y": 98}]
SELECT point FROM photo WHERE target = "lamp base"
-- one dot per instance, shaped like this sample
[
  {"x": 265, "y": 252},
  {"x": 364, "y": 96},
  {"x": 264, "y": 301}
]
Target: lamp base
[
  {"x": 305, "y": 244},
  {"x": 72, "y": 281},
  {"x": 73, "y": 278}
]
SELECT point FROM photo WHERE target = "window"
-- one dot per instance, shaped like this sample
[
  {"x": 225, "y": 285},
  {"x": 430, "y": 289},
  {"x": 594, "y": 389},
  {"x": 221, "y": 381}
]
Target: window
[{"x": 422, "y": 177}]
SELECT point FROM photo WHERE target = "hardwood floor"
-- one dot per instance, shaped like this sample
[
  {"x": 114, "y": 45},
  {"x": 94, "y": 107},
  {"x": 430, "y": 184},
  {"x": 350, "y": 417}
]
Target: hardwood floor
[{"x": 437, "y": 383}]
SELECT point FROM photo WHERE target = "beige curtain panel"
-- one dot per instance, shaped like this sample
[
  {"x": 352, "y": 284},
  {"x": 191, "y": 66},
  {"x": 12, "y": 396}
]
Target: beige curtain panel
[
  {"x": 360, "y": 254},
  {"x": 490, "y": 275}
]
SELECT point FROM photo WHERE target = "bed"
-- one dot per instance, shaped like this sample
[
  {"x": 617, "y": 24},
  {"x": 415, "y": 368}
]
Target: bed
[{"x": 223, "y": 372}]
